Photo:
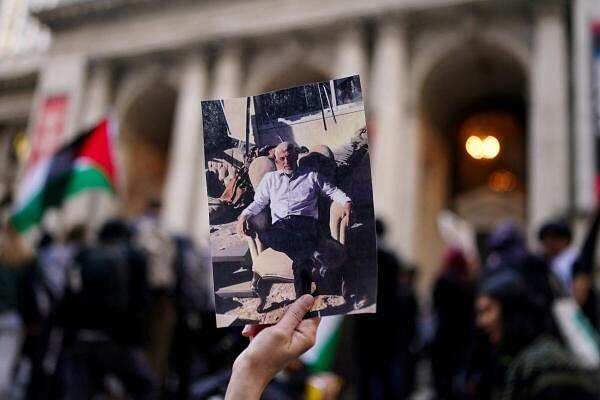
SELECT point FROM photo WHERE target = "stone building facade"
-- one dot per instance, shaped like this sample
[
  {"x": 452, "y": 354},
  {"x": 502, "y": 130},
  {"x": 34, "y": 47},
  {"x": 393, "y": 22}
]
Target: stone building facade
[{"x": 432, "y": 72}]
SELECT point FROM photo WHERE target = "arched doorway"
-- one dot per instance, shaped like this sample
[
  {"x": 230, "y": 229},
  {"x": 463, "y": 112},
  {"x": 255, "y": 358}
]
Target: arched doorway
[
  {"x": 145, "y": 124},
  {"x": 472, "y": 108}
]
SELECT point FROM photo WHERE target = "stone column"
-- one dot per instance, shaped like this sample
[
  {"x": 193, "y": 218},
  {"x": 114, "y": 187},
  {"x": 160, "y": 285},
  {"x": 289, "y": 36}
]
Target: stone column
[
  {"x": 549, "y": 130},
  {"x": 226, "y": 84},
  {"x": 97, "y": 99},
  {"x": 351, "y": 55},
  {"x": 395, "y": 154},
  {"x": 179, "y": 191},
  {"x": 228, "y": 73},
  {"x": 584, "y": 127}
]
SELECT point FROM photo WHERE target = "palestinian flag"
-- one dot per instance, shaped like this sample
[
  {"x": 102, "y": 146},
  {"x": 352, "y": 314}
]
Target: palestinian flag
[
  {"x": 87, "y": 163},
  {"x": 321, "y": 356}
]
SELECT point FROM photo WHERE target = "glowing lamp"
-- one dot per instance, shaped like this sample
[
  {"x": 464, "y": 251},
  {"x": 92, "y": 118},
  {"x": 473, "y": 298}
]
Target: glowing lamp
[{"x": 486, "y": 148}]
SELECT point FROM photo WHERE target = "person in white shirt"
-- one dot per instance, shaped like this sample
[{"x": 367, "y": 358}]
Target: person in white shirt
[
  {"x": 292, "y": 194},
  {"x": 574, "y": 266},
  {"x": 555, "y": 238}
]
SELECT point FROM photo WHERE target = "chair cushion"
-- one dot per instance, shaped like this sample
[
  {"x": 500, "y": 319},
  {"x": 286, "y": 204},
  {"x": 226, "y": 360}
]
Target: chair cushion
[
  {"x": 273, "y": 264},
  {"x": 258, "y": 168}
]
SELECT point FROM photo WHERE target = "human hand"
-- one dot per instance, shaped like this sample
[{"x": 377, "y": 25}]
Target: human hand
[
  {"x": 241, "y": 228},
  {"x": 271, "y": 349},
  {"x": 580, "y": 287},
  {"x": 347, "y": 211}
]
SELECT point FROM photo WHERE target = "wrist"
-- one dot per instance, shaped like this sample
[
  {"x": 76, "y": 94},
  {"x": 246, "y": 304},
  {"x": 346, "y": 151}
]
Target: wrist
[{"x": 247, "y": 382}]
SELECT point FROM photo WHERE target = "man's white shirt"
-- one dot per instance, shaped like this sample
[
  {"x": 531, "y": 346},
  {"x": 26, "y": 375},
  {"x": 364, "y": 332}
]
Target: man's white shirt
[{"x": 292, "y": 195}]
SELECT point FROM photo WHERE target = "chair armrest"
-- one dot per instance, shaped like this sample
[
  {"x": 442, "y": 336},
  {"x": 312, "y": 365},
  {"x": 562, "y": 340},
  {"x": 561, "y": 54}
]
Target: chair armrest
[
  {"x": 344, "y": 229},
  {"x": 252, "y": 245}
]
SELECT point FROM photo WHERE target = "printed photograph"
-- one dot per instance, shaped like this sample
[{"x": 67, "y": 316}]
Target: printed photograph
[{"x": 288, "y": 179}]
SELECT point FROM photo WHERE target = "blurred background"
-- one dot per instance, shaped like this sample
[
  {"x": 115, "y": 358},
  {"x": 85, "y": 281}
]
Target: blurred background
[{"x": 484, "y": 108}]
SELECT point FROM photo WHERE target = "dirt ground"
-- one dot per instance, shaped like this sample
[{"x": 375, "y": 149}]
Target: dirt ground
[
  {"x": 281, "y": 294},
  {"x": 224, "y": 236}
]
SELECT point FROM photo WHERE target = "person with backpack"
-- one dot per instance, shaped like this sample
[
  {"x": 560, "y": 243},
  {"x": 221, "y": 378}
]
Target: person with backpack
[
  {"x": 159, "y": 248},
  {"x": 103, "y": 311}
]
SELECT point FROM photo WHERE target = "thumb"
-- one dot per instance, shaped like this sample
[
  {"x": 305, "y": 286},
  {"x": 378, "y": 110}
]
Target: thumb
[{"x": 296, "y": 312}]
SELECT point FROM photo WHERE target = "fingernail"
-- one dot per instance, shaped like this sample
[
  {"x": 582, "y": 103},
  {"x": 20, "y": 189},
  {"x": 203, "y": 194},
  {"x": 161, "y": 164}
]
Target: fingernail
[{"x": 308, "y": 298}]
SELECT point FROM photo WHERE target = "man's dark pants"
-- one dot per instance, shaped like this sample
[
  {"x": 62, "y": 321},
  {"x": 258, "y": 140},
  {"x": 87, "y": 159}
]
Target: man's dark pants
[{"x": 298, "y": 237}]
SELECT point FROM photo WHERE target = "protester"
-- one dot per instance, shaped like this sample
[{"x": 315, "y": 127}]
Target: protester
[
  {"x": 42, "y": 303},
  {"x": 584, "y": 290},
  {"x": 574, "y": 266},
  {"x": 508, "y": 251},
  {"x": 453, "y": 304},
  {"x": 530, "y": 360},
  {"x": 199, "y": 349},
  {"x": 160, "y": 250},
  {"x": 507, "y": 248},
  {"x": 56, "y": 257},
  {"x": 16, "y": 262},
  {"x": 271, "y": 349},
  {"x": 105, "y": 303},
  {"x": 556, "y": 240},
  {"x": 410, "y": 339},
  {"x": 383, "y": 340}
]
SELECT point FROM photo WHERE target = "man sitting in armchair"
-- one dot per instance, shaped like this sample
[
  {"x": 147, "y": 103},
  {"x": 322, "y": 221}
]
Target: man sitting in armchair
[{"x": 292, "y": 193}]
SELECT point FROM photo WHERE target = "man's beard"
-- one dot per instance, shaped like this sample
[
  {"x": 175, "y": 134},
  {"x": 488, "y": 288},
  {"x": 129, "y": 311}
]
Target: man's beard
[{"x": 288, "y": 170}]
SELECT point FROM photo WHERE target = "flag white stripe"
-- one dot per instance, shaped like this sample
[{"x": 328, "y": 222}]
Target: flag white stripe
[
  {"x": 32, "y": 183},
  {"x": 327, "y": 328}
]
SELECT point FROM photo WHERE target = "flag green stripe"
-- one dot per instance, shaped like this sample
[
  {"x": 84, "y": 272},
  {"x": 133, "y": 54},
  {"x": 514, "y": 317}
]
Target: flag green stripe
[
  {"x": 55, "y": 192},
  {"x": 325, "y": 359}
]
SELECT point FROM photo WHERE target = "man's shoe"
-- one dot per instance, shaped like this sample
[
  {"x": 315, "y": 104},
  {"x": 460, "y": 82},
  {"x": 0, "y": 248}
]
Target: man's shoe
[
  {"x": 362, "y": 303},
  {"x": 358, "y": 302}
]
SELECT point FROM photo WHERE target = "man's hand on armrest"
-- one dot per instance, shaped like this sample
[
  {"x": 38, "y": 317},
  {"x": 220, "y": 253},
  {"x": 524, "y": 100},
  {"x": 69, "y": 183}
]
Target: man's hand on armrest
[
  {"x": 241, "y": 227},
  {"x": 348, "y": 211}
]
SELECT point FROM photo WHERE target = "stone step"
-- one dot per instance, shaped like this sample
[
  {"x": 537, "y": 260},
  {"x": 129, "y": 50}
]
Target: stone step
[{"x": 243, "y": 289}]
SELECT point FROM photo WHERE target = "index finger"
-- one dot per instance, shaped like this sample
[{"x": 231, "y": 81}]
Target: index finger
[
  {"x": 295, "y": 313},
  {"x": 252, "y": 330}
]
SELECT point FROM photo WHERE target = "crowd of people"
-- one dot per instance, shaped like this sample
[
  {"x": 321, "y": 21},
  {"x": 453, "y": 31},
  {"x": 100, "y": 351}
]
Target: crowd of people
[
  {"x": 502, "y": 329},
  {"x": 130, "y": 313}
]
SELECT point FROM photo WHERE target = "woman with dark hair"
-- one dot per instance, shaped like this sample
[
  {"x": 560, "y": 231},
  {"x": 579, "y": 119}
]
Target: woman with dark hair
[{"x": 531, "y": 362}]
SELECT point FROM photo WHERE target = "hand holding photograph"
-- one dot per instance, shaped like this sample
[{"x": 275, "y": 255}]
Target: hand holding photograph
[{"x": 290, "y": 202}]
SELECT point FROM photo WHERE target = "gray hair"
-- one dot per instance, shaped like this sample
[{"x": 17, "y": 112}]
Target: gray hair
[{"x": 285, "y": 146}]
